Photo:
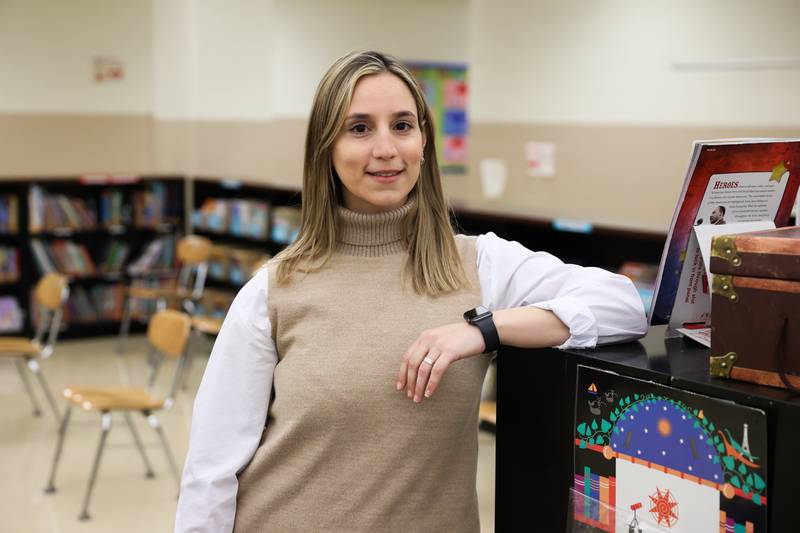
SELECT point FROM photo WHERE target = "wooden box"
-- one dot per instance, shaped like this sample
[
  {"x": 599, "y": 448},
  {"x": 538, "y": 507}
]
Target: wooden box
[{"x": 755, "y": 309}]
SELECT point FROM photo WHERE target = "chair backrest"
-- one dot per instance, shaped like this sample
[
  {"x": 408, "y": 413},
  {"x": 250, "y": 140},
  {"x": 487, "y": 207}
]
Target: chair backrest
[
  {"x": 51, "y": 293},
  {"x": 168, "y": 332},
  {"x": 193, "y": 252}
]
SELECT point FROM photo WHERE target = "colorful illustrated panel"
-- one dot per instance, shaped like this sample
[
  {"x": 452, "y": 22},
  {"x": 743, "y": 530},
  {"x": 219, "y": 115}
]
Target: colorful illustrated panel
[
  {"x": 759, "y": 170},
  {"x": 654, "y": 458},
  {"x": 446, "y": 90}
]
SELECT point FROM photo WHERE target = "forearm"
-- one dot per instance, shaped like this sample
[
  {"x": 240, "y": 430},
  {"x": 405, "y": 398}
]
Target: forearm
[{"x": 530, "y": 327}]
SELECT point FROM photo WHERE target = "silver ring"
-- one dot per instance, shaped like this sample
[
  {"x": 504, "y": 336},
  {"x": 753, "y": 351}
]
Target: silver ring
[{"x": 429, "y": 361}]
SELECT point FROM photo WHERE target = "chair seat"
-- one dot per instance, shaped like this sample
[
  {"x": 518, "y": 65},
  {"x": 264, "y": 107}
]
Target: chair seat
[
  {"x": 207, "y": 325},
  {"x": 156, "y": 293},
  {"x": 91, "y": 398},
  {"x": 16, "y": 346}
]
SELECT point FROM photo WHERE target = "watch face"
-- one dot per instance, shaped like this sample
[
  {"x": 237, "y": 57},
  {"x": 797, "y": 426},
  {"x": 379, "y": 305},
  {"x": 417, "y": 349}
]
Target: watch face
[{"x": 477, "y": 313}]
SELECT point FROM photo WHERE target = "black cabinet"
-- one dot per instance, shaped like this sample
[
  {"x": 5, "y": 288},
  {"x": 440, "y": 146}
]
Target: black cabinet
[{"x": 536, "y": 405}]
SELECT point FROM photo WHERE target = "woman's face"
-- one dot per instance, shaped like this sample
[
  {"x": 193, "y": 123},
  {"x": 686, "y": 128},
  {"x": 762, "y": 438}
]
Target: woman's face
[{"x": 377, "y": 153}]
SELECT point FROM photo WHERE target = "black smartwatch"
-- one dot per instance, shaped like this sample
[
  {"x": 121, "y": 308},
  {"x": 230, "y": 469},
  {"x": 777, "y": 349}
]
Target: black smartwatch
[{"x": 481, "y": 318}]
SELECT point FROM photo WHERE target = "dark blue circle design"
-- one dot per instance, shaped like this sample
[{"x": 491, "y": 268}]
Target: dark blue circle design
[{"x": 687, "y": 448}]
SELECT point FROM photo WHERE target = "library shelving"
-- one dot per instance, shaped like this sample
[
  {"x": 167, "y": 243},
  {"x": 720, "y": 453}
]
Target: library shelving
[
  {"x": 248, "y": 223},
  {"x": 98, "y": 230}
]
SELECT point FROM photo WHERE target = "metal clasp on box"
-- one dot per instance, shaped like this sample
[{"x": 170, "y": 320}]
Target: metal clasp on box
[
  {"x": 720, "y": 366},
  {"x": 724, "y": 247},
  {"x": 723, "y": 285}
]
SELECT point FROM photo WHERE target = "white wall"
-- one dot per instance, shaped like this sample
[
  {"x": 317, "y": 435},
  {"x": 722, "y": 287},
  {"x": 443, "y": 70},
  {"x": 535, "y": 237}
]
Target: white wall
[
  {"x": 47, "y": 48},
  {"x": 310, "y": 34},
  {"x": 610, "y": 61}
]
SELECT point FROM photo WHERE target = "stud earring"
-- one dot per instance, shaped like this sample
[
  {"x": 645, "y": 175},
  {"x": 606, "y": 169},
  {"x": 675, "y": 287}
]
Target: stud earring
[{"x": 421, "y": 159}]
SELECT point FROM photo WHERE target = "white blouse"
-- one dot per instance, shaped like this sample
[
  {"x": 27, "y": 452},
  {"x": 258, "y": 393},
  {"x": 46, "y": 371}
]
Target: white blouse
[{"x": 231, "y": 406}]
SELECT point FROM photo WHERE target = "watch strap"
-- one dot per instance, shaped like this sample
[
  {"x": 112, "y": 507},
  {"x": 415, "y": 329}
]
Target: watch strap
[{"x": 489, "y": 331}]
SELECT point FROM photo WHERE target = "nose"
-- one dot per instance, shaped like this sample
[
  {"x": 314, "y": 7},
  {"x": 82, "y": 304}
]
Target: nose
[{"x": 384, "y": 147}]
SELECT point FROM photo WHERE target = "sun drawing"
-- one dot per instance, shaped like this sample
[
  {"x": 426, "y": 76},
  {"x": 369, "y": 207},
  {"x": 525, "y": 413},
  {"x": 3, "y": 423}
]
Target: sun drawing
[{"x": 665, "y": 508}]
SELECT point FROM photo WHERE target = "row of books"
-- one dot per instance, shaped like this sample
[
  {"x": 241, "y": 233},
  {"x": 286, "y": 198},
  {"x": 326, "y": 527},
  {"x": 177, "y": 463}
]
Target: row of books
[
  {"x": 63, "y": 256},
  {"x": 48, "y": 212},
  {"x": 253, "y": 219},
  {"x": 97, "y": 303},
  {"x": 9, "y": 264},
  {"x": 234, "y": 265},
  {"x": 74, "y": 259},
  {"x": 9, "y": 214},
  {"x": 242, "y": 218}
]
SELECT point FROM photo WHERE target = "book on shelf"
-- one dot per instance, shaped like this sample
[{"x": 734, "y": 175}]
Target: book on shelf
[
  {"x": 47, "y": 212},
  {"x": 159, "y": 254},
  {"x": 114, "y": 256},
  {"x": 741, "y": 181},
  {"x": 9, "y": 214},
  {"x": 151, "y": 206},
  {"x": 112, "y": 212},
  {"x": 9, "y": 264},
  {"x": 43, "y": 260},
  {"x": 11, "y": 317},
  {"x": 285, "y": 224}
]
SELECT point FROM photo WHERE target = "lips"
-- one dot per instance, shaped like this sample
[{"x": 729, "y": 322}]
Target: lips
[
  {"x": 385, "y": 176},
  {"x": 385, "y": 173}
]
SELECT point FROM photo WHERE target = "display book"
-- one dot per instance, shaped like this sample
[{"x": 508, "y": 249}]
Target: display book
[{"x": 731, "y": 185}]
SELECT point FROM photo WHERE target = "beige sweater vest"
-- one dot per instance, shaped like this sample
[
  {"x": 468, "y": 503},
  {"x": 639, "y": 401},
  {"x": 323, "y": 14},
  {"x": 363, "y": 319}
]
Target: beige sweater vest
[{"x": 343, "y": 451}]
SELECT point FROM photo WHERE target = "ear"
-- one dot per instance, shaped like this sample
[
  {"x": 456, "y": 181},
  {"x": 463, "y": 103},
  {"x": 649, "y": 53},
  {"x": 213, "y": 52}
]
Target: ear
[{"x": 424, "y": 135}]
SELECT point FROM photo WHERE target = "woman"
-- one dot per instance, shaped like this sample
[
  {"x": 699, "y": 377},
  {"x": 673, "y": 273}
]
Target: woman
[{"x": 342, "y": 393}]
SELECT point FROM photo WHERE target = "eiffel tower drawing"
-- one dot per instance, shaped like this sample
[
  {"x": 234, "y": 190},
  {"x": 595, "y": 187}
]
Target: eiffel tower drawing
[{"x": 745, "y": 442}]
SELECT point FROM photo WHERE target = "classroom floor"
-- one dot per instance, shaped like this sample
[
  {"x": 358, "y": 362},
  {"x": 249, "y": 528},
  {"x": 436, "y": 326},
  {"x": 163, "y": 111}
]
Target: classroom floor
[{"x": 123, "y": 500}]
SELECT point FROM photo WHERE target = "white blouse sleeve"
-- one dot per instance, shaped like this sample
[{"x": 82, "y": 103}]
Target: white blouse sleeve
[
  {"x": 597, "y": 306},
  {"x": 230, "y": 412}
]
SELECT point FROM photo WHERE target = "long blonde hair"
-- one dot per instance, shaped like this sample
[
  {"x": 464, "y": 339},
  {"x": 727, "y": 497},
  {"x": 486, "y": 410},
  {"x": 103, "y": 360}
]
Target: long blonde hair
[{"x": 434, "y": 263}]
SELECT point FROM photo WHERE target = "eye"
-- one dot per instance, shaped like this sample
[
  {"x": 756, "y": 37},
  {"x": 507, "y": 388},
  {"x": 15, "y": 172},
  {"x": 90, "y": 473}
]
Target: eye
[
  {"x": 359, "y": 129},
  {"x": 404, "y": 126}
]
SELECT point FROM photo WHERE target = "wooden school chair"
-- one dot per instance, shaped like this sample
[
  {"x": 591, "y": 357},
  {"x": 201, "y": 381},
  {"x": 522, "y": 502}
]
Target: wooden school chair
[
  {"x": 192, "y": 252},
  {"x": 50, "y": 294},
  {"x": 168, "y": 334}
]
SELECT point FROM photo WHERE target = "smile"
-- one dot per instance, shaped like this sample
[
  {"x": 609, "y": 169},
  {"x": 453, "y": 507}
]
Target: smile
[{"x": 385, "y": 174}]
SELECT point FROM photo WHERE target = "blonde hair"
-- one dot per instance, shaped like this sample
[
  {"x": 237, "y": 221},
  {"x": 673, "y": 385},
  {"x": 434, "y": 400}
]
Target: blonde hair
[{"x": 434, "y": 264}]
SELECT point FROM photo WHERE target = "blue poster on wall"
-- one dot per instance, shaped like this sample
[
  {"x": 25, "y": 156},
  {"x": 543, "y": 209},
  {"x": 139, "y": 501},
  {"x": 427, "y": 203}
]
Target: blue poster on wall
[{"x": 445, "y": 88}]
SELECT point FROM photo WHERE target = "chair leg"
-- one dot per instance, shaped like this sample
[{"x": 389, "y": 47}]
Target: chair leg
[
  {"x": 149, "y": 473},
  {"x": 33, "y": 364},
  {"x": 37, "y": 411},
  {"x": 62, "y": 433},
  {"x": 153, "y": 421},
  {"x": 106, "y": 427},
  {"x": 125, "y": 324},
  {"x": 186, "y": 363}
]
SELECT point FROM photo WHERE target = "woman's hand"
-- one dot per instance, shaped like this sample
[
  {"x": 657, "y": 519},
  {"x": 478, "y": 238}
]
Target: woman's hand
[{"x": 428, "y": 357}]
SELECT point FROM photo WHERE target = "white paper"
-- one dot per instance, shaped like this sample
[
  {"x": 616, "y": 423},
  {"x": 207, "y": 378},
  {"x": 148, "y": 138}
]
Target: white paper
[
  {"x": 494, "y": 174},
  {"x": 701, "y": 335},
  {"x": 693, "y": 301},
  {"x": 540, "y": 158},
  {"x": 695, "y": 506}
]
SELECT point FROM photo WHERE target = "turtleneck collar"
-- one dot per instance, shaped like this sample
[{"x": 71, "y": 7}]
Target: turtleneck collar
[{"x": 372, "y": 234}]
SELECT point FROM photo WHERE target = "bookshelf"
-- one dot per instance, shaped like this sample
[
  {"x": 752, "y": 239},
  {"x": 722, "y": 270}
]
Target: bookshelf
[
  {"x": 97, "y": 230},
  {"x": 248, "y": 223}
]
